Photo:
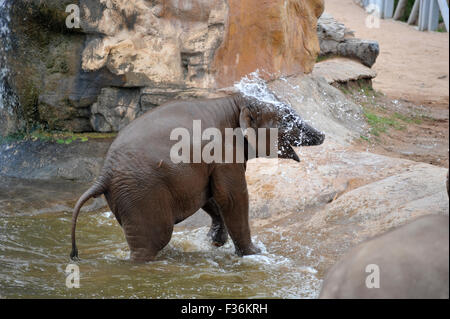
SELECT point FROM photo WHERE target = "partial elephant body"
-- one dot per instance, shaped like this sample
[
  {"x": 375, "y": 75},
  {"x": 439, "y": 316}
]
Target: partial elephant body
[
  {"x": 149, "y": 193},
  {"x": 411, "y": 261}
]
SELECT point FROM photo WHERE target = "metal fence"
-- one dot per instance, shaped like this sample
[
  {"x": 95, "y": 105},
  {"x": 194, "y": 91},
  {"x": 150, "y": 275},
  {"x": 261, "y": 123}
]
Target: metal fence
[{"x": 425, "y": 13}]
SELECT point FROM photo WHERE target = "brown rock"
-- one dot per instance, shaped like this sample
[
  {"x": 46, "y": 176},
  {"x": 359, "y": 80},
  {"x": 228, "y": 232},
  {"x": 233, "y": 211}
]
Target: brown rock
[
  {"x": 278, "y": 37},
  {"x": 159, "y": 44}
]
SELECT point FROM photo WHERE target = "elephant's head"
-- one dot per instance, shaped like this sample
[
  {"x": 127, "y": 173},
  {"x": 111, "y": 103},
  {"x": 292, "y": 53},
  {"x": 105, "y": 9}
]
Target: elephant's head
[{"x": 292, "y": 130}]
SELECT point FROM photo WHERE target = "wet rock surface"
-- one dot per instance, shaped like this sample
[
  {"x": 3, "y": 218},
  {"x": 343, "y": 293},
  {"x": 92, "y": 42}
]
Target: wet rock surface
[
  {"x": 342, "y": 197},
  {"x": 27, "y": 197},
  {"x": 50, "y": 161}
]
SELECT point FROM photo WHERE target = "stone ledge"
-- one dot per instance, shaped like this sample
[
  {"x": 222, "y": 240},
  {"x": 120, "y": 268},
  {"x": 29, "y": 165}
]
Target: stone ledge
[{"x": 341, "y": 70}]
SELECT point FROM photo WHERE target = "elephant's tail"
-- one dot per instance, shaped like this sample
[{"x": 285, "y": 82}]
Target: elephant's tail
[{"x": 96, "y": 190}]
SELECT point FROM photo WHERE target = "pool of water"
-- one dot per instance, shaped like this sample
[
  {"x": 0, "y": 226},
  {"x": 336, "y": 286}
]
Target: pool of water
[{"x": 34, "y": 254}]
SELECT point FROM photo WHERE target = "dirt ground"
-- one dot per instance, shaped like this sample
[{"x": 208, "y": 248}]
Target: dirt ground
[
  {"x": 412, "y": 65},
  {"x": 409, "y": 110},
  {"x": 402, "y": 129}
]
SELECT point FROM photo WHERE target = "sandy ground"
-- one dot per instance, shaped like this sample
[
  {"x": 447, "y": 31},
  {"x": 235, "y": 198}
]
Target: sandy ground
[
  {"x": 412, "y": 65},
  {"x": 417, "y": 132}
]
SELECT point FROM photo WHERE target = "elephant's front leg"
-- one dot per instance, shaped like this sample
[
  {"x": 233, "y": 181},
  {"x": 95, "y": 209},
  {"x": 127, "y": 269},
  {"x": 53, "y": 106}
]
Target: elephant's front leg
[
  {"x": 229, "y": 190},
  {"x": 218, "y": 232}
]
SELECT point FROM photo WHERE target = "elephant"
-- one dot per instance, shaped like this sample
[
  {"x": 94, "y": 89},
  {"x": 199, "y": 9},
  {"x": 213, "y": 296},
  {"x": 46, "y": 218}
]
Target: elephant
[
  {"x": 148, "y": 193},
  {"x": 411, "y": 261}
]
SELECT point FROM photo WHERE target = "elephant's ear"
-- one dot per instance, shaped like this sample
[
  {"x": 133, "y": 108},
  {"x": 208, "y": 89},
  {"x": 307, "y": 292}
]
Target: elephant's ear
[{"x": 245, "y": 120}]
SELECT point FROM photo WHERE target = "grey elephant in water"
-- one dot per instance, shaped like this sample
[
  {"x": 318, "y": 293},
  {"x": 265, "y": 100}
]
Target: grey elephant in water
[
  {"x": 411, "y": 261},
  {"x": 149, "y": 193}
]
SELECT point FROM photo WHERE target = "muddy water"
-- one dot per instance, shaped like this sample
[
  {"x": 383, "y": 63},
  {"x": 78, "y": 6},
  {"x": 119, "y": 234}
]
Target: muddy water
[
  {"x": 34, "y": 255},
  {"x": 35, "y": 222}
]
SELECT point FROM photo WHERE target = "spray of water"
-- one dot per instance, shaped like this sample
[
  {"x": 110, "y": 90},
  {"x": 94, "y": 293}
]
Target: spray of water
[{"x": 255, "y": 88}]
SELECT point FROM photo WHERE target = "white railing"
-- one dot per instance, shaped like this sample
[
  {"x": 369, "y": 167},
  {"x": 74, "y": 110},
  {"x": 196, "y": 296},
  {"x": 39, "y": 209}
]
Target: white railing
[{"x": 425, "y": 13}]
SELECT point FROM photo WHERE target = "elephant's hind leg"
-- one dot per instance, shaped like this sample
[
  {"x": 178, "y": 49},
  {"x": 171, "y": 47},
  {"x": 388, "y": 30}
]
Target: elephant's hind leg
[
  {"x": 218, "y": 232},
  {"x": 148, "y": 228}
]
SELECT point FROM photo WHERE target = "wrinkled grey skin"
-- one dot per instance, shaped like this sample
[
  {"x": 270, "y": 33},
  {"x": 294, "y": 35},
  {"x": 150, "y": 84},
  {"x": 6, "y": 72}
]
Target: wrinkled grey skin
[
  {"x": 413, "y": 262},
  {"x": 148, "y": 193}
]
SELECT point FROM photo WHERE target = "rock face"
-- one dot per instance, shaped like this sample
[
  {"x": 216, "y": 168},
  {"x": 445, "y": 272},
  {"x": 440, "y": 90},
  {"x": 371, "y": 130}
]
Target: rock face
[
  {"x": 44, "y": 63},
  {"x": 184, "y": 47},
  {"x": 114, "y": 109},
  {"x": 274, "y": 36},
  {"x": 159, "y": 43},
  {"x": 336, "y": 40}
]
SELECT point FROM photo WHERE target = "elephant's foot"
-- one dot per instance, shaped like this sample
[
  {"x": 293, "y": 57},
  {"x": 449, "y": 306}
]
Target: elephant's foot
[
  {"x": 140, "y": 256},
  {"x": 218, "y": 234},
  {"x": 250, "y": 250}
]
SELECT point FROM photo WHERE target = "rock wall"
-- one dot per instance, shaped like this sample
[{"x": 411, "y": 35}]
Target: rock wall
[
  {"x": 76, "y": 78},
  {"x": 154, "y": 43}
]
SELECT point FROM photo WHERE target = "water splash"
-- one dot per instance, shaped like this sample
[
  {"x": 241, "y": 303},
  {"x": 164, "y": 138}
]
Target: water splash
[
  {"x": 255, "y": 87},
  {"x": 295, "y": 130}
]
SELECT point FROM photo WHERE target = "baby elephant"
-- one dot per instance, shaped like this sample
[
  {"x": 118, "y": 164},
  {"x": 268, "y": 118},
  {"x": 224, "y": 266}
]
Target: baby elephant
[
  {"x": 148, "y": 191},
  {"x": 411, "y": 261}
]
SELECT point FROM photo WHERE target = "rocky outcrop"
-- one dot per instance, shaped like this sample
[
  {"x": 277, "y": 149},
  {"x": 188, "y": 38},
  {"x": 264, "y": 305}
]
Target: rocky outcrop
[
  {"x": 343, "y": 71},
  {"x": 180, "y": 46},
  {"x": 336, "y": 198},
  {"x": 336, "y": 40}
]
